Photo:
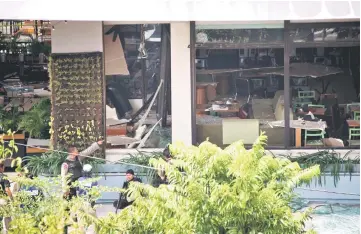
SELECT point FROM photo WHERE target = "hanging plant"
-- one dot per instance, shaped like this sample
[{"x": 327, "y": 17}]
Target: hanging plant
[{"x": 329, "y": 161}]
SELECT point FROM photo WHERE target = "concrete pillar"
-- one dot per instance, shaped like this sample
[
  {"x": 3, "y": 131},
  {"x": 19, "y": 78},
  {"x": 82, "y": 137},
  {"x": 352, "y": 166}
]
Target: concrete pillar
[
  {"x": 181, "y": 82},
  {"x": 76, "y": 36}
]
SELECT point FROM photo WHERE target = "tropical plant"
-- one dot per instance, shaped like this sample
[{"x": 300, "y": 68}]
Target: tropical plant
[
  {"x": 46, "y": 214},
  {"x": 9, "y": 118},
  {"x": 210, "y": 190},
  {"x": 329, "y": 161},
  {"x": 48, "y": 163},
  {"x": 36, "y": 120},
  {"x": 7, "y": 150},
  {"x": 217, "y": 191},
  {"x": 38, "y": 47}
]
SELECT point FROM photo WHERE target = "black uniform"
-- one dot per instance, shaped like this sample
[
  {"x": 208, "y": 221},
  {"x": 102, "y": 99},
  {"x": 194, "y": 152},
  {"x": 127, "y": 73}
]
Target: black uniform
[
  {"x": 4, "y": 183},
  {"x": 123, "y": 202},
  {"x": 75, "y": 168}
]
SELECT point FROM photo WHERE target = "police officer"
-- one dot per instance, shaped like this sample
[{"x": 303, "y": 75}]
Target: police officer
[
  {"x": 5, "y": 190},
  {"x": 73, "y": 166}
]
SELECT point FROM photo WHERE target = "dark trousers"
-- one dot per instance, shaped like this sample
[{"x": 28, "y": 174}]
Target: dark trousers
[{"x": 72, "y": 194}]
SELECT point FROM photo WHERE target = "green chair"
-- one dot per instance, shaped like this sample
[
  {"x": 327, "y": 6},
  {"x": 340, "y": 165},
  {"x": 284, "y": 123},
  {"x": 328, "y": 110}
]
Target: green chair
[
  {"x": 316, "y": 106},
  {"x": 297, "y": 104},
  {"x": 356, "y": 115},
  {"x": 348, "y": 106},
  {"x": 314, "y": 134},
  {"x": 306, "y": 95},
  {"x": 354, "y": 133},
  {"x": 257, "y": 83}
]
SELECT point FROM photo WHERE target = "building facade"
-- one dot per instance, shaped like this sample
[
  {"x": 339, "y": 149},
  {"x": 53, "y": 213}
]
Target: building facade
[{"x": 279, "y": 30}]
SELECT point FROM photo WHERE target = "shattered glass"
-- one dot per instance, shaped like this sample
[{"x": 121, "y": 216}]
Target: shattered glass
[{"x": 330, "y": 218}]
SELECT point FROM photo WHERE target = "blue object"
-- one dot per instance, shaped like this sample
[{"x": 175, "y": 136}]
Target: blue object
[{"x": 82, "y": 192}]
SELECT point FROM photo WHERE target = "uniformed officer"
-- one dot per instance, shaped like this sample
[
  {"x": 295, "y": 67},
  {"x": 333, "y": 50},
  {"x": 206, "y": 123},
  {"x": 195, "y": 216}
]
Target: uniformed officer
[{"x": 73, "y": 166}]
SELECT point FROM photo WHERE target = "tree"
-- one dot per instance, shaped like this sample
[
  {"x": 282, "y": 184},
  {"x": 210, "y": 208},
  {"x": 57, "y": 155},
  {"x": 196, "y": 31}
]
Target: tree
[{"x": 219, "y": 191}]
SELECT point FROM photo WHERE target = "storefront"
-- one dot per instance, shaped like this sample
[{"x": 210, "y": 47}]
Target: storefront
[
  {"x": 244, "y": 50},
  {"x": 259, "y": 69}
]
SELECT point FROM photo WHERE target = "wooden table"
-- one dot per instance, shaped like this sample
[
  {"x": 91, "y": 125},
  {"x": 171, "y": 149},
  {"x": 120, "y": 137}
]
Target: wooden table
[
  {"x": 353, "y": 123},
  {"x": 298, "y": 125},
  {"x": 232, "y": 109},
  {"x": 315, "y": 111}
]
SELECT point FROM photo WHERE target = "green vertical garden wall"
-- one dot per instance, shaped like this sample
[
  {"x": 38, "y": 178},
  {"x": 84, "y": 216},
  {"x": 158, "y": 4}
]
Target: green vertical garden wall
[{"x": 76, "y": 81}]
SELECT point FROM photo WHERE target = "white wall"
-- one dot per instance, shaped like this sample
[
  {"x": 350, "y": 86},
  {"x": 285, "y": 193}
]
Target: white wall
[
  {"x": 77, "y": 37},
  {"x": 181, "y": 83}
]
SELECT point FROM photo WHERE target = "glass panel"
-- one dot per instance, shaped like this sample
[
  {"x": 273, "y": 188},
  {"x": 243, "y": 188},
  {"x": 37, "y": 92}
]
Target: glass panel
[
  {"x": 124, "y": 59},
  {"x": 324, "y": 96},
  {"x": 325, "y": 34},
  {"x": 356, "y": 33},
  {"x": 235, "y": 101},
  {"x": 239, "y": 35}
]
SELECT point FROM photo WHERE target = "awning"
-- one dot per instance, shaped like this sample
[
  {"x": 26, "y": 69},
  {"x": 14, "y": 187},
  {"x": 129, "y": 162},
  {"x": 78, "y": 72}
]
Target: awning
[{"x": 178, "y": 10}]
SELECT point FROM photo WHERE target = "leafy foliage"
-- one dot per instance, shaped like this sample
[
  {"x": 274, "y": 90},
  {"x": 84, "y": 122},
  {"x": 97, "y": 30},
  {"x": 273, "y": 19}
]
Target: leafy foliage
[
  {"x": 210, "y": 190},
  {"x": 38, "y": 47},
  {"x": 48, "y": 213},
  {"x": 48, "y": 163},
  {"x": 143, "y": 158},
  {"x": 330, "y": 161},
  {"x": 77, "y": 135},
  {"x": 36, "y": 120},
  {"x": 9, "y": 119},
  {"x": 77, "y": 82},
  {"x": 7, "y": 150},
  {"x": 218, "y": 191}
]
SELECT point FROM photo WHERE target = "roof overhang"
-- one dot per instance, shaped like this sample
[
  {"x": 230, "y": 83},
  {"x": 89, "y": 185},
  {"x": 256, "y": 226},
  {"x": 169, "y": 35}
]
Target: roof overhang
[{"x": 178, "y": 10}]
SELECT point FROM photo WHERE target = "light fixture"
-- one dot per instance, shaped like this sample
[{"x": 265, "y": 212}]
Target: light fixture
[{"x": 65, "y": 21}]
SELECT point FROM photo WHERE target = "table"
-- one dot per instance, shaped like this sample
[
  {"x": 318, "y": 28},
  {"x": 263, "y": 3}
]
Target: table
[
  {"x": 298, "y": 125},
  {"x": 231, "y": 109},
  {"x": 353, "y": 123},
  {"x": 315, "y": 111}
]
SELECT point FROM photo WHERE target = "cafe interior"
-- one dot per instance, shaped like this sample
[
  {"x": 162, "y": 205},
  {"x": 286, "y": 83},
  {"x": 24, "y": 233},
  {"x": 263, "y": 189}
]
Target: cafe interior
[{"x": 298, "y": 83}]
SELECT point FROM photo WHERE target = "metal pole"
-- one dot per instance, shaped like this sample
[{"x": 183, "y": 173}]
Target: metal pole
[
  {"x": 192, "y": 48},
  {"x": 162, "y": 74},
  {"x": 104, "y": 83},
  {"x": 143, "y": 66},
  {"x": 287, "y": 91}
]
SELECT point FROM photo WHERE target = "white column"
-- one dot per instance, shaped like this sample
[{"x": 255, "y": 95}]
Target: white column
[
  {"x": 76, "y": 36},
  {"x": 181, "y": 82}
]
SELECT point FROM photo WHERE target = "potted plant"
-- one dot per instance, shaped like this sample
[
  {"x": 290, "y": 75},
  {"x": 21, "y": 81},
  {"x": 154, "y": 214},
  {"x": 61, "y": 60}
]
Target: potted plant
[
  {"x": 48, "y": 164},
  {"x": 36, "y": 120},
  {"x": 35, "y": 123}
]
